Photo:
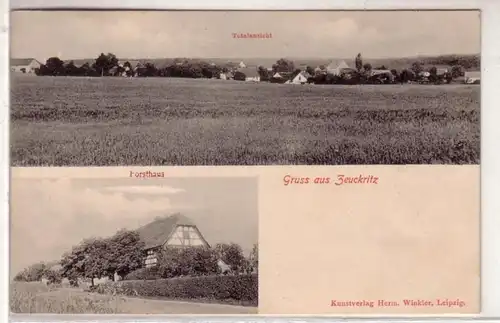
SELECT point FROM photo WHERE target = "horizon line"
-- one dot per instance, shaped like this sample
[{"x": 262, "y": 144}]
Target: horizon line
[{"x": 256, "y": 57}]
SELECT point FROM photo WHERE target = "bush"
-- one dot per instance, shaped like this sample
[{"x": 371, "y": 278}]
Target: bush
[{"x": 240, "y": 289}]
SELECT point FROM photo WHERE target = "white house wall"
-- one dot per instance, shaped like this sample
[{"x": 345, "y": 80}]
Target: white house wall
[{"x": 185, "y": 236}]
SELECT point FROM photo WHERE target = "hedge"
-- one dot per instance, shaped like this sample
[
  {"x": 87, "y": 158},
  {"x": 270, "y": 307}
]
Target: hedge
[
  {"x": 239, "y": 289},
  {"x": 142, "y": 274}
]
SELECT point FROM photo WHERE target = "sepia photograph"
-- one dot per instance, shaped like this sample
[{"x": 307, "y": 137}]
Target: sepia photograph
[
  {"x": 134, "y": 246},
  {"x": 114, "y": 88}
]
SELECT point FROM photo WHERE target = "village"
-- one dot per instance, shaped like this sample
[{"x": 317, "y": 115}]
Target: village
[{"x": 284, "y": 71}]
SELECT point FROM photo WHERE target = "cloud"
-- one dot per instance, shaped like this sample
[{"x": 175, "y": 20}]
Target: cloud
[
  {"x": 144, "y": 190},
  {"x": 208, "y": 34}
]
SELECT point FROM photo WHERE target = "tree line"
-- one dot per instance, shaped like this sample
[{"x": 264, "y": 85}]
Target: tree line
[
  {"x": 108, "y": 65},
  {"x": 123, "y": 254}
]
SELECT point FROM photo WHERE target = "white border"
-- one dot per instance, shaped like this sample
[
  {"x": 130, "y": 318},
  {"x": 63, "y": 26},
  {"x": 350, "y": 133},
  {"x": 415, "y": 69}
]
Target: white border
[{"x": 490, "y": 117}]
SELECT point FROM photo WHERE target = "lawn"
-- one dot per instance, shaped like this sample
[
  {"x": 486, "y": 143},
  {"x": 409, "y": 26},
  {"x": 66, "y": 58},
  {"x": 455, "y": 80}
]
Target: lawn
[{"x": 64, "y": 121}]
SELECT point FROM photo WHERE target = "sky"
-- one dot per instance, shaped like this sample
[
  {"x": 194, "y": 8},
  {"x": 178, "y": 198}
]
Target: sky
[
  {"x": 300, "y": 34},
  {"x": 48, "y": 216}
]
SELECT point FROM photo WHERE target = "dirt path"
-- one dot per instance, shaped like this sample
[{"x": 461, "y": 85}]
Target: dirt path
[{"x": 132, "y": 305}]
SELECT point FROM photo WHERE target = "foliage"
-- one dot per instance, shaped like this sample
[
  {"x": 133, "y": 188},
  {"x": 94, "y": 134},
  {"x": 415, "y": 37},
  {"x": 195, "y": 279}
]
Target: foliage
[
  {"x": 32, "y": 273},
  {"x": 417, "y": 68},
  {"x": 143, "y": 274},
  {"x": 284, "y": 65},
  {"x": 457, "y": 71},
  {"x": 367, "y": 67},
  {"x": 190, "y": 261},
  {"x": 254, "y": 257},
  {"x": 231, "y": 254},
  {"x": 125, "y": 252},
  {"x": 263, "y": 73},
  {"x": 104, "y": 63},
  {"x": 242, "y": 289},
  {"x": 358, "y": 62},
  {"x": 239, "y": 76}
]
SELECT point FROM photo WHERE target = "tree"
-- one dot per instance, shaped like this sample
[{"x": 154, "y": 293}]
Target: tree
[
  {"x": 417, "y": 68},
  {"x": 124, "y": 253},
  {"x": 254, "y": 257},
  {"x": 433, "y": 77},
  {"x": 231, "y": 254},
  {"x": 359, "y": 62},
  {"x": 395, "y": 74},
  {"x": 54, "y": 66},
  {"x": 84, "y": 260},
  {"x": 367, "y": 68},
  {"x": 310, "y": 70},
  {"x": 71, "y": 69},
  {"x": 457, "y": 71},
  {"x": 53, "y": 276},
  {"x": 284, "y": 65},
  {"x": 190, "y": 261},
  {"x": 239, "y": 76},
  {"x": 406, "y": 75}
]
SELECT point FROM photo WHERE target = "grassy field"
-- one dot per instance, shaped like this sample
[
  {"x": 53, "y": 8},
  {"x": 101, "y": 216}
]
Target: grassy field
[
  {"x": 63, "y": 121},
  {"x": 38, "y": 298}
]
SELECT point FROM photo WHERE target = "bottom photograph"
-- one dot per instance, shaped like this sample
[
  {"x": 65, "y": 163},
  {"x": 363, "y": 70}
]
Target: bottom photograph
[{"x": 134, "y": 245}]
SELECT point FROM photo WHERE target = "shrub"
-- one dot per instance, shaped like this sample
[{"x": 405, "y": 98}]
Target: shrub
[{"x": 241, "y": 289}]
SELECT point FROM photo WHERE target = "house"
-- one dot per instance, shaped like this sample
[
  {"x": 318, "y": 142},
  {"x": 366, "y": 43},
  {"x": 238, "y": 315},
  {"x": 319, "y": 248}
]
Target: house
[
  {"x": 336, "y": 66},
  {"x": 242, "y": 65},
  {"x": 175, "y": 231},
  {"x": 301, "y": 78},
  {"x": 473, "y": 77},
  {"x": 24, "y": 65},
  {"x": 277, "y": 76},
  {"x": 251, "y": 74}
]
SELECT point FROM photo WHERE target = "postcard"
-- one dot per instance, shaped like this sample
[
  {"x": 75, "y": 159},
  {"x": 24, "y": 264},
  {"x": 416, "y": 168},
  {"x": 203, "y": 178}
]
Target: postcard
[{"x": 315, "y": 162}]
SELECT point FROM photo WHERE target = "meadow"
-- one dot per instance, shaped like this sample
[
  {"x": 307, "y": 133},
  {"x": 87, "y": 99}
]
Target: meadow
[
  {"x": 70, "y": 121},
  {"x": 35, "y": 297}
]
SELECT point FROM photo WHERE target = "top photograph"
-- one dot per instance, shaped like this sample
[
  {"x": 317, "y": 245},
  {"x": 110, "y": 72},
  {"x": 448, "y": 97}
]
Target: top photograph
[{"x": 187, "y": 88}]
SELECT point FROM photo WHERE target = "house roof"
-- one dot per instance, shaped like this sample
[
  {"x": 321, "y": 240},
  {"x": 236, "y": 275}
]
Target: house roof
[
  {"x": 303, "y": 74},
  {"x": 249, "y": 71},
  {"x": 377, "y": 72},
  {"x": 156, "y": 233},
  {"x": 337, "y": 64},
  {"x": 21, "y": 61}
]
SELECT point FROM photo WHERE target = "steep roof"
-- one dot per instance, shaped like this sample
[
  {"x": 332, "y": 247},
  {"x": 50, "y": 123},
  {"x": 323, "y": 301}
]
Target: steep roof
[
  {"x": 21, "y": 61},
  {"x": 156, "y": 233},
  {"x": 337, "y": 64},
  {"x": 300, "y": 75}
]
